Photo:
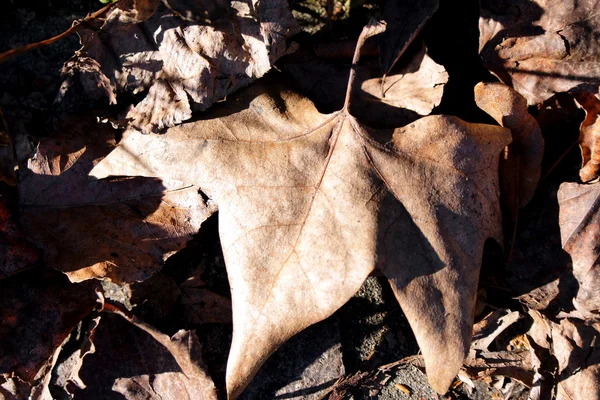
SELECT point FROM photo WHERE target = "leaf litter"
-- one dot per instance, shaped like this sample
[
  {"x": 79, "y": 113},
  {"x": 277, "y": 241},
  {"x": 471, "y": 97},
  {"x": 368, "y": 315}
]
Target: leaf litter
[{"x": 416, "y": 202}]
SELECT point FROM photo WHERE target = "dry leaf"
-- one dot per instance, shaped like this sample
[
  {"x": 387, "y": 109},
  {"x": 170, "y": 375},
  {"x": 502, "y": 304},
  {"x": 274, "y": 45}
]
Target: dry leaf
[
  {"x": 589, "y": 136},
  {"x": 187, "y": 55},
  {"x": 418, "y": 87},
  {"x": 121, "y": 230},
  {"x": 579, "y": 220},
  {"x": 571, "y": 362},
  {"x": 404, "y": 19},
  {"x": 310, "y": 204},
  {"x": 541, "y": 47},
  {"x": 151, "y": 365},
  {"x": 37, "y": 312},
  {"x": 521, "y": 164}
]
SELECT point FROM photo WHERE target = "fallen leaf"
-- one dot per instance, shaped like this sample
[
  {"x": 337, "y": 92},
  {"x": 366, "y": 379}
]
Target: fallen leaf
[
  {"x": 521, "y": 164},
  {"x": 404, "y": 20},
  {"x": 37, "y": 312},
  {"x": 139, "y": 362},
  {"x": 589, "y": 136},
  {"x": 187, "y": 54},
  {"x": 121, "y": 230},
  {"x": 579, "y": 219},
  {"x": 541, "y": 47},
  {"x": 572, "y": 363},
  {"x": 311, "y": 204}
]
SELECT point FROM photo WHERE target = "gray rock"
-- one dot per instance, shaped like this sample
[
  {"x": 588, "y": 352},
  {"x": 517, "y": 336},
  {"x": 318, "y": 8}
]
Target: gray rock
[{"x": 303, "y": 368}]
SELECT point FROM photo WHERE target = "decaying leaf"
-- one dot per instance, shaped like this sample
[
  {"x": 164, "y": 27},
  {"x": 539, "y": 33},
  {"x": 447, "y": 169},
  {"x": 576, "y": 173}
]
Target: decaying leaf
[
  {"x": 589, "y": 136},
  {"x": 140, "y": 362},
  {"x": 121, "y": 230},
  {"x": 572, "y": 349},
  {"x": 310, "y": 204},
  {"x": 37, "y": 312},
  {"x": 579, "y": 220},
  {"x": 541, "y": 47},
  {"x": 187, "y": 54}
]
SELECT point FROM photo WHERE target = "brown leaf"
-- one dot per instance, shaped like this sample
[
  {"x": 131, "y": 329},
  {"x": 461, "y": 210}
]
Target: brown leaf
[
  {"x": 138, "y": 361},
  {"x": 521, "y": 164},
  {"x": 589, "y": 136},
  {"x": 121, "y": 230},
  {"x": 310, "y": 204},
  {"x": 37, "y": 312},
  {"x": 541, "y": 48},
  {"x": 579, "y": 220},
  {"x": 572, "y": 363},
  {"x": 187, "y": 55},
  {"x": 405, "y": 19}
]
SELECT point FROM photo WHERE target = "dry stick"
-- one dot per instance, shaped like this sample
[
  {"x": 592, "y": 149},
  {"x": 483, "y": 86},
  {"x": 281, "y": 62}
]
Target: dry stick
[
  {"x": 7, "y": 55},
  {"x": 373, "y": 28}
]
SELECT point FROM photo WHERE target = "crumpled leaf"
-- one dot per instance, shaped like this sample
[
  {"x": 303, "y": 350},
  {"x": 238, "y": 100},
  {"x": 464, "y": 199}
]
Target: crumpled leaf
[
  {"x": 16, "y": 252},
  {"x": 120, "y": 230},
  {"x": 579, "y": 219},
  {"x": 311, "y": 204},
  {"x": 136, "y": 360},
  {"x": 589, "y": 136},
  {"x": 204, "y": 306},
  {"x": 521, "y": 163},
  {"x": 570, "y": 358},
  {"x": 405, "y": 19},
  {"x": 541, "y": 47},
  {"x": 37, "y": 312},
  {"x": 187, "y": 55}
]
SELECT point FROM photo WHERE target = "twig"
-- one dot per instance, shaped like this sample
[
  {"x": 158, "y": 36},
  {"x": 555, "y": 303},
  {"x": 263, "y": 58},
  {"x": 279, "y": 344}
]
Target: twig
[{"x": 7, "y": 55}]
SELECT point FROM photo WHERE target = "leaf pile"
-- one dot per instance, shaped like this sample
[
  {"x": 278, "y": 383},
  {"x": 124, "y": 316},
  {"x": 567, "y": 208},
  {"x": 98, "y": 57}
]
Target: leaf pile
[{"x": 322, "y": 173}]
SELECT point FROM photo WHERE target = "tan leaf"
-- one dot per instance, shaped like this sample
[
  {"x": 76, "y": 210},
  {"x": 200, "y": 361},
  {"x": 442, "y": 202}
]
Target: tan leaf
[
  {"x": 135, "y": 359},
  {"x": 541, "y": 47},
  {"x": 121, "y": 230},
  {"x": 418, "y": 87},
  {"x": 521, "y": 163},
  {"x": 589, "y": 136},
  {"x": 187, "y": 55},
  {"x": 579, "y": 219},
  {"x": 311, "y": 204}
]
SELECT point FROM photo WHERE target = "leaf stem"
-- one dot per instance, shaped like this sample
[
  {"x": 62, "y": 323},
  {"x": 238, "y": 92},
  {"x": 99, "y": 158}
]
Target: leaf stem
[{"x": 373, "y": 28}]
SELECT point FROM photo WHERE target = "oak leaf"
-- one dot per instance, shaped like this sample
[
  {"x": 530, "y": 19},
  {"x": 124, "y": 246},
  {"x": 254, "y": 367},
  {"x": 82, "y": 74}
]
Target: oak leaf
[
  {"x": 541, "y": 47},
  {"x": 310, "y": 204}
]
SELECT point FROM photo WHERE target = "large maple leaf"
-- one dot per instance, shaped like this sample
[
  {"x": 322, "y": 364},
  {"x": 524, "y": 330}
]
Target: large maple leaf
[{"x": 310, "y": 204}]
